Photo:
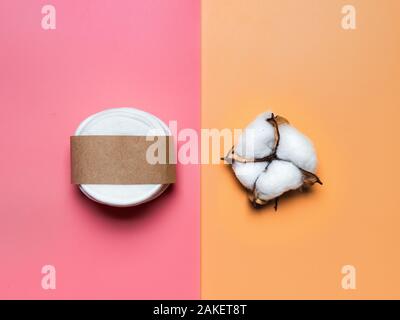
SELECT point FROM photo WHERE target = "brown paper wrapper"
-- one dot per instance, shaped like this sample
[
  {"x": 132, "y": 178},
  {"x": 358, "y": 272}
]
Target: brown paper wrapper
[{"x": 121, "y": 160}]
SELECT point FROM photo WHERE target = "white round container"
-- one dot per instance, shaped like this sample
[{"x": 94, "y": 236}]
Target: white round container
[{"x": 127, "y": 122}]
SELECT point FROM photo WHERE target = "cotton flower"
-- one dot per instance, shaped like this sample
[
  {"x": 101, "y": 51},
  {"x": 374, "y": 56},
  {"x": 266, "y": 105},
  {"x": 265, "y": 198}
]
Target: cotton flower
[
  {"x": 258, "y": 139},
  {"x": 271, "y": 158},
  {"x": 296, "y": 147},
  {"x": 247, "y": 173}
]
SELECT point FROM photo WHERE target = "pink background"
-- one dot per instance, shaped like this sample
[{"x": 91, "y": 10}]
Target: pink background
[{"x": 103, "y": 54}]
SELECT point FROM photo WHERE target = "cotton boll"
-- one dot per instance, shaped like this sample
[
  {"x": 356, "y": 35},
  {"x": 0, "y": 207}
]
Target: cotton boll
[
  {"x": 297, "y": 148},
  {"x": 278, "y": 178},
  {"x": 272, "y": 158},
  {"x": 258, "y": 139},
  {"x": 247, "y": 173}
]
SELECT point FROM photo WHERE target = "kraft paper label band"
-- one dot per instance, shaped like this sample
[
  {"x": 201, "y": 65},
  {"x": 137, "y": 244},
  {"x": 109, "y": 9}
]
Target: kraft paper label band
[{"x": 121, "y": 160}]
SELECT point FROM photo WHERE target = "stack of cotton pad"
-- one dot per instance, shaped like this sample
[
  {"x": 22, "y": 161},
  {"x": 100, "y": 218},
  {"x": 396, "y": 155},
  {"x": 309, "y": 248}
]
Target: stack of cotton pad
[
  {"x": 125, "y": 122},
  {"x": 272, "y": 157}
]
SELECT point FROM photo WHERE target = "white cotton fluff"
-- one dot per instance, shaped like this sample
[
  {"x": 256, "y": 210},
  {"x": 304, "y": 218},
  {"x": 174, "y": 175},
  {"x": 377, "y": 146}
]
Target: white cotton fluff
[
  {"x": 291, "y": 163},
  {"x": 297, "y": 148},
  {"x": 280, "y": 177},
  {"x": 247, "y": 173},
  {"x": 258, "y": 139}
]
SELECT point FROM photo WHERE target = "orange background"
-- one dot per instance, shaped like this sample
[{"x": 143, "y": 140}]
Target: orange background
[{"x": 342, "y": 89}]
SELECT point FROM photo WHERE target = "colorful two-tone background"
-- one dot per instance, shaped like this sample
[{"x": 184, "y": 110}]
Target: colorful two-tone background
[{"x": 210, "y": 64}]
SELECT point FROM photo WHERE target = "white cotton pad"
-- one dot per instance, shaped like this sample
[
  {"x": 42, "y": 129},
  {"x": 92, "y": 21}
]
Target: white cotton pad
[
  {"x": 297, "y": 148},
  {"x": 258, "y": 139},
  {"x": 127, "y": 122},
  {"x": 280, "y": 176},
  {"x": 247, "y": 173}
]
